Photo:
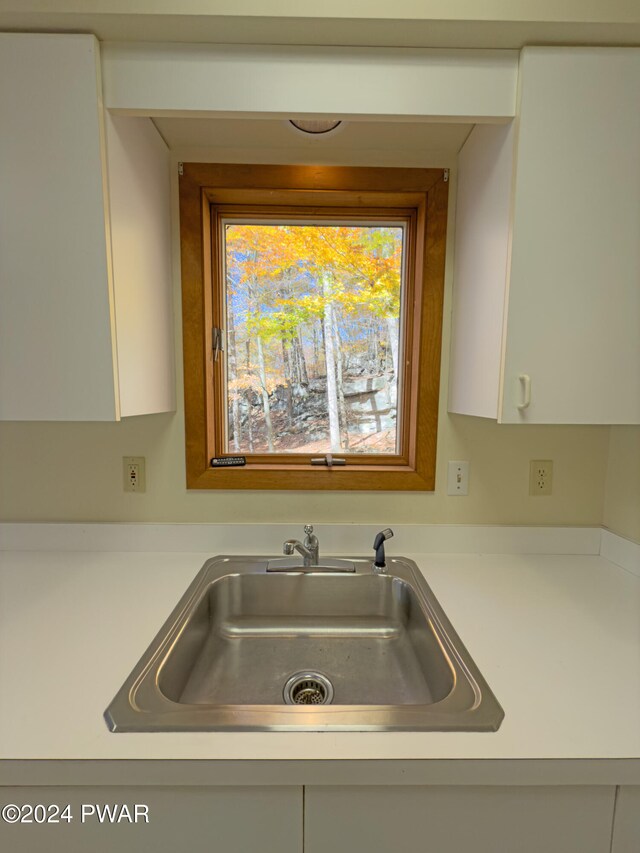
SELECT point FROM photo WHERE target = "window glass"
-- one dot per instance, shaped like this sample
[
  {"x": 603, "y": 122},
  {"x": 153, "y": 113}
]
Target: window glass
[{"x": 313, "y": 336}]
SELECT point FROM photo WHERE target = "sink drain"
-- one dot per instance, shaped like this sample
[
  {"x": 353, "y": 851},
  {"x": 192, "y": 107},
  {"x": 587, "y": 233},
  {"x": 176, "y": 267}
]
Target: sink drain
[{"x": 308, "y": 688}]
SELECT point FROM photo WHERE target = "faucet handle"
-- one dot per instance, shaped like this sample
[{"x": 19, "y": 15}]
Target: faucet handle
[{"x": 311, "y": 542}]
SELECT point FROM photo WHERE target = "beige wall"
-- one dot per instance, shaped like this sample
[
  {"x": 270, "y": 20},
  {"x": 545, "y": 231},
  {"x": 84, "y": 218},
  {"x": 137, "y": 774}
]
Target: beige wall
[
  {"x": 622, "y": 492},
  {"x": 73, "y": 471}
]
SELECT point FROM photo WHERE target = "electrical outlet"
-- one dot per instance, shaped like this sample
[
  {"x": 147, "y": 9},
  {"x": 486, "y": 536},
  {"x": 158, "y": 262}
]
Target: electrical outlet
[
  {"x": 540, "y": 476},
  {"x": 133, "y": 474},
  {"x": 458, "y": 478}
]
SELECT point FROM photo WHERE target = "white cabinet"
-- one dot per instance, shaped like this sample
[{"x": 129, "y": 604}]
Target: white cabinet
[
  {"x": 360, "y": 819},
  {"x": 626, "y": 826},
  {"x": 85, "y": 270},
  {"x": 207, "y": 819},
  {"x": 547, "y": 258},
  {"x": 454, "y": 819}
]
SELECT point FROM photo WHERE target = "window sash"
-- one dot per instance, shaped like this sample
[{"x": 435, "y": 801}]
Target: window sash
[
  {"x": 303, "y": 217},
  {"x": 409, "y": 331}
]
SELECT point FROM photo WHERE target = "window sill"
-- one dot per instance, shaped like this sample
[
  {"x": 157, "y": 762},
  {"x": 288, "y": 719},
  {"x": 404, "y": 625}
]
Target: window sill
[{"x": 312, "y": 478}]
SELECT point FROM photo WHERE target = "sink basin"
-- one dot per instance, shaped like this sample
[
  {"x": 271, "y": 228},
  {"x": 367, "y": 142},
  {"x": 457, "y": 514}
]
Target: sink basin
[{"x": 317, "y": 648}]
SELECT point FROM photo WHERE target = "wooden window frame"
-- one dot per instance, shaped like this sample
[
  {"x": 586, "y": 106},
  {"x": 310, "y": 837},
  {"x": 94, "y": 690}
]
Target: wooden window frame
[{"x": 418, "y": 197}]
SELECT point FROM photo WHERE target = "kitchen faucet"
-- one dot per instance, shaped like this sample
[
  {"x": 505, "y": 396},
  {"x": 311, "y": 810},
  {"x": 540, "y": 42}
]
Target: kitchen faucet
[{"x": 309, "y": 550}]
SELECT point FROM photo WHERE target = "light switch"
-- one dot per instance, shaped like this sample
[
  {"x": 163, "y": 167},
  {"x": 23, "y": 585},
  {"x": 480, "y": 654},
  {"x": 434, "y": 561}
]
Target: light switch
[{"x": 458, "y": 478}]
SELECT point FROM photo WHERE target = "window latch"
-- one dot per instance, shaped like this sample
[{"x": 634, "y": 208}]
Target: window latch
[
  {"x": 217, "y": 342},
  {"x": 329, "y": 460}
]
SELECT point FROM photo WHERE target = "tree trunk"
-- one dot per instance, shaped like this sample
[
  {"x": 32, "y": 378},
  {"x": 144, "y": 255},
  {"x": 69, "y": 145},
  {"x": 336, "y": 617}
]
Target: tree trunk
[
  {"x": 262, "y": 374},
  {"x": 316, "y": 350},
  {"x": 392, "y": 328},
  {"x": 249, "y": 399},
  {"x": 250, "y": 420},
  {"x": 296, "y": 378},
  {"x": 288, "y": 378},
  {"x": 329, "y": 357},
  {"x": 302, "y": 362},
  {"x": 373, "y": 349},
  {"x": 233, "y": 375},
  {"x": 265, "y": 394},
  {"x": 342, "y": 407},
  {"x": 297, "y": 369}
]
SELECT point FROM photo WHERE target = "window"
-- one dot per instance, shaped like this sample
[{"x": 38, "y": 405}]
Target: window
[
  {"x": 312, "y": 311},
  {"x": 312, "y": 314}
]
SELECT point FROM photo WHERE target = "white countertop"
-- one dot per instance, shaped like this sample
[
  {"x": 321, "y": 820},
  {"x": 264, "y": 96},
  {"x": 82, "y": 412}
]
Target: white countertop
[{"x": 556, "y": 637}]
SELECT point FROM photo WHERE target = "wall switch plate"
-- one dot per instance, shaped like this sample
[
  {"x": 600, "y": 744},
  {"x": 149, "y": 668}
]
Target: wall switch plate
[
  {"x": 458, "y": 478},
  {"x": 133, "y": 474},
  {"x": 540, "y": 476}
]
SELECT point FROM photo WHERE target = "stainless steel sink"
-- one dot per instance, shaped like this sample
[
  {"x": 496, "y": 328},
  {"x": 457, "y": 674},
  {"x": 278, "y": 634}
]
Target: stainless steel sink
[{"x": 305, "y": 648}]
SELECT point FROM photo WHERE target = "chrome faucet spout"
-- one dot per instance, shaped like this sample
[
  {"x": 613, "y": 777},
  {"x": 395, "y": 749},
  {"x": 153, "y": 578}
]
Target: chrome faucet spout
[
  {"x": 310, "y": 550},
  {"x": 292, "y": 545}
]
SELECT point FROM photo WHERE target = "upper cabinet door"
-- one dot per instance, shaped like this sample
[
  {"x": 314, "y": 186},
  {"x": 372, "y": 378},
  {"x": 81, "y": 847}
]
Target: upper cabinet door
[
  {"x": 573, "y": 320},
  {"x": 85, "y": 298},
  {"x": 548, "y": 243},
  {"x": 56, "y": 301}
]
